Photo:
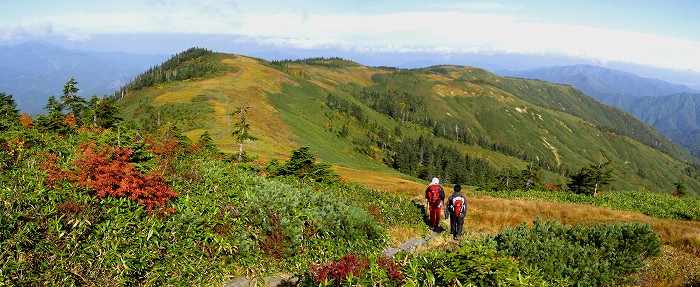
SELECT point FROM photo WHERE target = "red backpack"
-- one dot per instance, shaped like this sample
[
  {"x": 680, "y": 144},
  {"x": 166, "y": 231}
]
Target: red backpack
[
  {"x": 433, "y": 194},
  {"x": 458, "y": 205}
]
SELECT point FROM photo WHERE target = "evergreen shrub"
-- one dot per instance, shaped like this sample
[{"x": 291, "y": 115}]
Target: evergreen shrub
[{"x": 602, "y": 254}]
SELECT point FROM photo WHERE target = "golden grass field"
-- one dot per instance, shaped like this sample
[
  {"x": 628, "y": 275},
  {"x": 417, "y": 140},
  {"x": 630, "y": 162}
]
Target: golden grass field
[{"x": 247, "y": 87}]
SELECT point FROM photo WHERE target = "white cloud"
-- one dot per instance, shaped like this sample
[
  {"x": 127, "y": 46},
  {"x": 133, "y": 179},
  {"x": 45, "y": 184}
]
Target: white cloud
[
  {"x": 450, "y": 29},
  {"x": 96, "y": 23},
  {"x": 300, "y": 43},
  {"x": 78, "y": 37},
  {"x": 20, "y": 31},
  {"x": 478, "y": 6},
  {"x": 456, "y": 32}
]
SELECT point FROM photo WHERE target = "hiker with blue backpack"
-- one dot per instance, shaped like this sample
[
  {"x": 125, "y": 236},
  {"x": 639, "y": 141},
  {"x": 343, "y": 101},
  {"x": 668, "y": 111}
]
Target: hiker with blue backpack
[
  {"x": 457, "y": 207},
  {"x": 435, "y": 196}
]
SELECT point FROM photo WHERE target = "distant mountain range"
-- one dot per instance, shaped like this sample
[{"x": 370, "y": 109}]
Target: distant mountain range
[
  {"x": 604, "y": 84},
  {"x": 33, "y": 71},
  {"x": 674, "y": 110}
]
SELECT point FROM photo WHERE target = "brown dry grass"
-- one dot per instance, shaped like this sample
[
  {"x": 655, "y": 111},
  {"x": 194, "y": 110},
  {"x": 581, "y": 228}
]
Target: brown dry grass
[
  {"x": 672, "y": 268},
  {"x": 382, "y": 181},
  {"x": 492, "y": 214}
]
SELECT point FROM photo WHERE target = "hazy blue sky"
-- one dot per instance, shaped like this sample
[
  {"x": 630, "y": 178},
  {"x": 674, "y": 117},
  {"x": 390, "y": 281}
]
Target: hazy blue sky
[{"x": 656, "y": 33}]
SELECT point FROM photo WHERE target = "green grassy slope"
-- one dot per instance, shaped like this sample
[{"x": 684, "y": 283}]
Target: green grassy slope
[{"x": 556, "y": 126}]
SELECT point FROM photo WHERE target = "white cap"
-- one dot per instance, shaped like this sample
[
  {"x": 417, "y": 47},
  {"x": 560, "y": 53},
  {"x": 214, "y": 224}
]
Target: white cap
[{"x": 435, "y": 180}]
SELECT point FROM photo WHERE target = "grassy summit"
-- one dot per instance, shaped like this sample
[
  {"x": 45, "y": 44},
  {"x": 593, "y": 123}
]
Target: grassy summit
[{"x": 385, "y": 119}]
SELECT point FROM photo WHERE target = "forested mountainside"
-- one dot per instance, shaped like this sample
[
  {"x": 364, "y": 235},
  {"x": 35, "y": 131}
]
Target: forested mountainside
[
  {"x": 672, "y": 109},
  {"x": 677, "y": 116},
  {"x": 462, "y": 124}
]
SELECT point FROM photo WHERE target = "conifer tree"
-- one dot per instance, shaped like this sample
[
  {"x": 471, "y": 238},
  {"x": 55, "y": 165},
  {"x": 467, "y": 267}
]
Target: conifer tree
[
  {"x": 8, "y": 111},
  {"x": 207, "y": 142},
  {"x": 101, "y": 112},
  {"x": 589, "y": 180},
  {"x": 531, "y": 176},
  {"x": 53, "y": 120},
  {"x": 74, "y": 103},
  {"x": 241, "y": 131},
  {"x": 53, "y": 106},
  {"x": 303, "y": 165}
]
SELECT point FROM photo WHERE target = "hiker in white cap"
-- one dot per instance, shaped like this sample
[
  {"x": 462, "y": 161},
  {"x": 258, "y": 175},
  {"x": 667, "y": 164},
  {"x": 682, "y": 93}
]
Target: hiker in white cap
[{"x": 435, "y": 196}]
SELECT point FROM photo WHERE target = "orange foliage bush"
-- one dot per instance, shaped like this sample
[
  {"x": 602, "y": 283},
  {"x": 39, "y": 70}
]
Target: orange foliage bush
[
  {"x": 553, "y": 186},
  {"x": 26, "y": 121},
  {"x": 107, "y": 171},
  {"x": 54, "y": 173},
  {"x": 167, "y": 147},
  {"x": 195, "y": 148},
  {"x": 70, "y": 120}
]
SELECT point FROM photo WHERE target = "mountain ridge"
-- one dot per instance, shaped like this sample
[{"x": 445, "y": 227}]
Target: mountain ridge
[
  {"x": 358, "y": 116},
  {"x": 601, "y": 83},
  {"x": 670, "y": 108}
]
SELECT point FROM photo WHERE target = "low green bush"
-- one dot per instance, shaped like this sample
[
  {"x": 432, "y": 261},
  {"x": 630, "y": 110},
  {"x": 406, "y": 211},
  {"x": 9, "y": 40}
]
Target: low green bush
[
  {"x": 548, "y": 254},
  {"x": 579, "y": 255},
  {"x": 470, "y": 264}
]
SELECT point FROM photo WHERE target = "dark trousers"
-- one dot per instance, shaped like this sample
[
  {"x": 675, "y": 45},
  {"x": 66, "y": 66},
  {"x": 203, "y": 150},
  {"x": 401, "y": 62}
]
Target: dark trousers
[
  {"x": 434, "y": 216},
  {"x": 456, "y": 224}
]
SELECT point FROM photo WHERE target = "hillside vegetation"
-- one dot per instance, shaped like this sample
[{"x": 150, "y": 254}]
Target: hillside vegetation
[
  {"x": 674, "y": 115},
  {"x": 96, "y": 207},
  {"x": 144, "y": 195},
  {"x": 462, "y": 124},
  {"x": 671, "y": 109}
]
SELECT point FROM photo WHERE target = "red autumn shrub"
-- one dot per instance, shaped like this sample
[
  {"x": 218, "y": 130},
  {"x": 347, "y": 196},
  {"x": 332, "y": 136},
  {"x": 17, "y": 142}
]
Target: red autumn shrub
[
  {"x": 552, "y": 186},
  {"x": 195, "y": 148},
  {"x": 391, "y": 269},
  {"x": 107, "y": 171},
  {"x": 339, "y": 271},
  {"x": 166, "y": 147},
  {"x": 54, "y": 173}
]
